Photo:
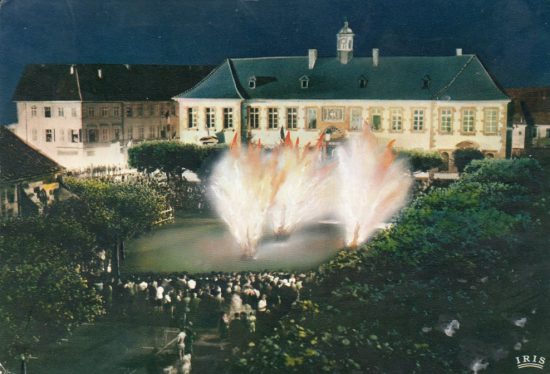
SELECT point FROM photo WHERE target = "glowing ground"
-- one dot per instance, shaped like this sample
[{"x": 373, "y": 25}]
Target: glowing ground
[{"x": 202, "y": 244}]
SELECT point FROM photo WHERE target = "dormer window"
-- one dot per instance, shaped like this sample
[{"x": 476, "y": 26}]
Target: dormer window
[
  {"x": 252, "y": 82},
  {"x": 426, "y": 81},
  {"x": 363, "y": 81},
  {"x": 304, "y": 82}
]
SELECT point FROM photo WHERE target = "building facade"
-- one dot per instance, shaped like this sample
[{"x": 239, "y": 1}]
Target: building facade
[
  {"x": 530, "y": 117},
  {"x": 27, "y": 177},
  {"x": 425, "y": 103},
  {"x": 86, "y": 115}
]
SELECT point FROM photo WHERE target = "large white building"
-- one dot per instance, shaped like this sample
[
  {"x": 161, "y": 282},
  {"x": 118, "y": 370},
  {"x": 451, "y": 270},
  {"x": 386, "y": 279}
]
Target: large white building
[
  {"x": 426, "y": 103},
  {"x": 85, "y": 115}
]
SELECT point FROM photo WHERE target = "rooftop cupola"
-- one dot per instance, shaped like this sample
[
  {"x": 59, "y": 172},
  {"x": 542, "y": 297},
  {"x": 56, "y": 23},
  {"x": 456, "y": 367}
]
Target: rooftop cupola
[{"x": 344, "y": 44}]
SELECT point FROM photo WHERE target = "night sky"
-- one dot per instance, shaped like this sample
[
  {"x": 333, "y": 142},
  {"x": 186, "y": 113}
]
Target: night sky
[{"x": 512, "y": 37}]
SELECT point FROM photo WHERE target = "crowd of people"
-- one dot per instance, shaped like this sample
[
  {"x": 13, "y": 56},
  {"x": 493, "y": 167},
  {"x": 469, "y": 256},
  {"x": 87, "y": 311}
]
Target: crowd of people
[{"x": 237, "y": 304}]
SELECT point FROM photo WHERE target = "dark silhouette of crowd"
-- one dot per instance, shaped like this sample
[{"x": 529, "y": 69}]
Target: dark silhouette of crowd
[{"x": 237, "y": 304}]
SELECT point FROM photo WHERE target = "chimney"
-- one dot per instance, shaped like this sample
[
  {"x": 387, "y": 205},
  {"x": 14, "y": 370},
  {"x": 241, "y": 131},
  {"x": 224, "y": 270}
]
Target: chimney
[
  {"x": 459, "y": 51},
  {"x": 71, "y": 69},
  {"x": 375, "y": 56},
  {"x": 99, "y": 73},
  {"x": 312, "y": 58}
]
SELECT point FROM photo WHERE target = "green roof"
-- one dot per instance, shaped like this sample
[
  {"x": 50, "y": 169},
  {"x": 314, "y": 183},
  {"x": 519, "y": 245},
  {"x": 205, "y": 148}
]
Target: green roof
[{"x": 395, "y": 78}]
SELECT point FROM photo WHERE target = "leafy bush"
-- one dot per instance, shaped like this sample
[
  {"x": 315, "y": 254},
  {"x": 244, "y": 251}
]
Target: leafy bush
[
  {"x": 463, "y": 157},
  {"x": 422, "y": 160},
  {"x": 387, "y": 307},
  {"x": 172, "y": 158},
  {"x": 525, "y": 172}
]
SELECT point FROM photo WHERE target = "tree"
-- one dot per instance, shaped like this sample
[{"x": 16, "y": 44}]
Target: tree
[
  {"x": 43, "y": 295},
  {"x": 172, "y": 158},
  {"x": 422, "y": 161},
  {"x": 464, "y": 156},
  {"x": 114, "y": 212}
]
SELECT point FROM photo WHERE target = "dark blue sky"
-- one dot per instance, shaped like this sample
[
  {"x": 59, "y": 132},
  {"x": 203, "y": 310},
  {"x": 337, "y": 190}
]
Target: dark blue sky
[{"x": 512, "y": 37}]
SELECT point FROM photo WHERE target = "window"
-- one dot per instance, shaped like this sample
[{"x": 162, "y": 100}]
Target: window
[
  {"x": 548, "y": 133},
  {"x": 141, "y": 132},
  {"x": 253, "y": 118},
  {"x": 129, "y": 111},
  {"x": 34, "y": 135},
  {"x": 446, "y": 121},
  {"x": 362, "y": 82},
  {"x": 33, "y": 111},
  {"x": 48, "y": 112},
  {"x": 172, "y": 109},
  {"x": 60, "y": 112},
  {"x": 73, "y": 112},
  {"x": 93, "y": 135},
  {"x": 91, "y": 111},
  {"x": 75, "y": 136},
  {"x": 210, "y": 118},
  {"x": 49, "y": 135},
  {"x": 105, "y": 134},
  {"x": 151, "y": 132},
  {"x": 104, "y": 111},
  {"x": 116, "y": 134},
  {"x": 139, "y": 110},
  {"x": 468, "y": 120},
  {"x": 491, "y": 121},
  {"x": 311, "y": 118},
  {"x": 304, "y": 82},
  {"x": 396, "y": 120},
  {"x": 418, "y": 120},
  {"x": 116, "y": 111},
  {"x": 356, "y": 121},
  {"x": 291, "y": 118},
  {"x": 376, "y": 119},
  {"x": 272, "y": 118},
  {"x": 227, "y": 118},
  {"x": 192, "y": 118},
  {"x": 252, "y": 82},
  {"x": 130, "y": 133},
  {"x": 151, "y": 110}
]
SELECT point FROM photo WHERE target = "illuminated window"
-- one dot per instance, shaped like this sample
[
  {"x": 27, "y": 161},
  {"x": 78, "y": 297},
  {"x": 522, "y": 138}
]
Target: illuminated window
[
  {"x": 396, "y": 120},
  {"x": 311, "y": 118},
  {"x": 49, "y": 135},
  {"x": 272, "y": 118},
  {"x": 491, "y": 121},
  {"x": 418, "y": 120},
  {"x": 227, "y": 118},
  {"x": 291, "y": 118},
  {"x": 192, "y": 117},
  {"x": 468, "y": 119},
  {"x": 210, "y": 118},
  {"x": 254, "y": 118},
  {"x": 446, "y": 121}
]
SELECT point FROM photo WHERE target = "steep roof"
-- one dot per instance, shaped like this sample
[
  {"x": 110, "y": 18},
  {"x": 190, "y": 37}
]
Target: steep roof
[
  {"x": 20, "y": 162},
  {"x": 530, "y": 105},
  {"x": 118, "y": 82},
  {"x": 395, "y": 78}
]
